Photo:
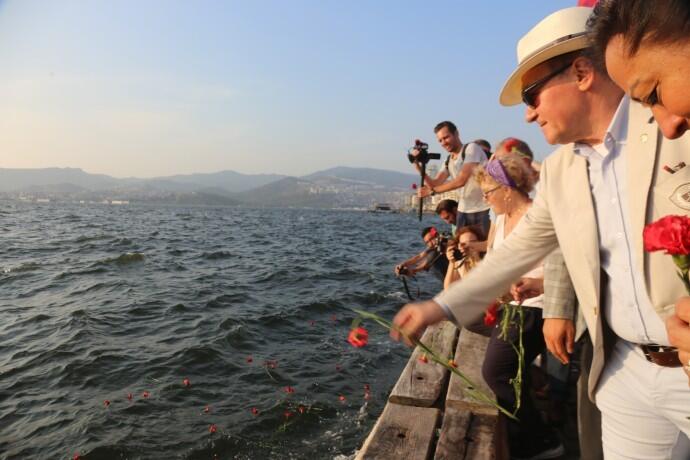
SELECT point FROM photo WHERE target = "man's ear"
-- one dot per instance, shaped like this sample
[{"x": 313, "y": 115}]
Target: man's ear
[{"x": 584, "y": 73}]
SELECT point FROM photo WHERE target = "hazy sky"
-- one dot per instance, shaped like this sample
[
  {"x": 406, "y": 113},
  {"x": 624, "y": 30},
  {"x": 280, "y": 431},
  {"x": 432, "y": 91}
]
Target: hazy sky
[{"x": 149, "y": 88}]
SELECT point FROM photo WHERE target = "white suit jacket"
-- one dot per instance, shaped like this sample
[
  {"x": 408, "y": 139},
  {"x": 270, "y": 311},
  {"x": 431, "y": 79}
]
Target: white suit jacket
[{"x": 563, "y": 215}]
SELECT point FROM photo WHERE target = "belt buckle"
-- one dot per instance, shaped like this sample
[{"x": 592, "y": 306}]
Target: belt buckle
[{"x": 661, "y": 355}]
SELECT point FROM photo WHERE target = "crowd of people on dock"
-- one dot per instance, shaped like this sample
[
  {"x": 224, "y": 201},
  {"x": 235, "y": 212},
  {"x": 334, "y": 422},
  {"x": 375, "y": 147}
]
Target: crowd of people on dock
[{"x": 611, "y": 86}]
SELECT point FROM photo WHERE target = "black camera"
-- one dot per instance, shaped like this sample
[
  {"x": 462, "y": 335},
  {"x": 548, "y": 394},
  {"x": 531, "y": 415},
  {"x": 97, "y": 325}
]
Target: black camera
[
  {"x": 423, "y": 156},
  {"x": 443, "y": 240}
]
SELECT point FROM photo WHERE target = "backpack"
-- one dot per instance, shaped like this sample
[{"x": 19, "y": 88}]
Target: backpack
[{"x": 462, "y": 154}]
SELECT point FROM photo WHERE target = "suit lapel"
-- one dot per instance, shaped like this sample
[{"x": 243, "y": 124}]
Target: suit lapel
[
  {"x": 583, "y": 223},
  {"x": 641, "y": 152}
]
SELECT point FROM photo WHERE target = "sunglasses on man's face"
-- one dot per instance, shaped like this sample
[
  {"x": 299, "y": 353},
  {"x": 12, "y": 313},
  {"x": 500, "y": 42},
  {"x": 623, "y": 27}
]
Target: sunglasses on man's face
[{"x": 531, "y": 92}]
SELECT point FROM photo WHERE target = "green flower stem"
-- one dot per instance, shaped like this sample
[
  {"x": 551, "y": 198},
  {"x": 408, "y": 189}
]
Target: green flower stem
[{"x": 471, "y": 390}]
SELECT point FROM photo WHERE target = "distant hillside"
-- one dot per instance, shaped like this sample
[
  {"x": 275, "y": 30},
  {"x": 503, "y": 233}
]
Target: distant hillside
[
  {"x": 18, "y": 179},
  {"x": 230, "y": 181},
  {"x": 368, "y": 175},
  {"x": 288, "y": 192},
  {"x": 340, "y": 187}
]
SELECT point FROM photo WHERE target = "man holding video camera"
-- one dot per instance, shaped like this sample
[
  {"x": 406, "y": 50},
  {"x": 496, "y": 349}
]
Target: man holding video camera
[{"x": 457, "y": 175}]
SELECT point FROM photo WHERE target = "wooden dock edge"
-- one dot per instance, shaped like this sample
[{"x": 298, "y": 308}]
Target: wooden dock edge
[{"x": 418, "y": 422}]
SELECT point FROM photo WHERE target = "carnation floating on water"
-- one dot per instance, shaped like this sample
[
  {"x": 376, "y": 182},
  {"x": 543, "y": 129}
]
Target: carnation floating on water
[
  {"x": 186, "y": 382},
  {"x": 255, "y": 411},
  {"x": 106, "y": 403},
  {"x": 212, "y": 429},
  {"x": 358, "y": 337}
]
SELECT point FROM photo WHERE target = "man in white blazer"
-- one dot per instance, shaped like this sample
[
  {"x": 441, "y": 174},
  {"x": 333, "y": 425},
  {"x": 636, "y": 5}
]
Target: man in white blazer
[{"x": 594, "y": 197}]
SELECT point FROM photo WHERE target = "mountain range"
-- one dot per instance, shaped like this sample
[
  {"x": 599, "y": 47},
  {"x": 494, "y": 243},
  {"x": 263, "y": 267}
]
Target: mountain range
[{"x": 339, "y": 187}]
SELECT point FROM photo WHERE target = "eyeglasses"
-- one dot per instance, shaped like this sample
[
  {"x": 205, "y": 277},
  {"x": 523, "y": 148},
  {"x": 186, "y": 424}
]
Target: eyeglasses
[
  {"x": 529, "y": 94},
  {"x": 489, "y": 192}
]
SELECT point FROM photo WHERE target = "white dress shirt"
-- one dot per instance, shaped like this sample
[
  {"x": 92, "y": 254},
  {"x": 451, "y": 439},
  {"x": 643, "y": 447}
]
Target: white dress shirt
[{"x": 626, "y": 304}]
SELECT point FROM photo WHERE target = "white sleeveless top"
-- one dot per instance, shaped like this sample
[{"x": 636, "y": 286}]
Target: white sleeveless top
[{"x": 536, "y": 272}]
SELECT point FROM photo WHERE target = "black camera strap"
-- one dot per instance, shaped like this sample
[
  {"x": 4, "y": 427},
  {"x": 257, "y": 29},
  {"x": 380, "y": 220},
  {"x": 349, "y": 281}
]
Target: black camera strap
[{"x": 407, "y": 288}]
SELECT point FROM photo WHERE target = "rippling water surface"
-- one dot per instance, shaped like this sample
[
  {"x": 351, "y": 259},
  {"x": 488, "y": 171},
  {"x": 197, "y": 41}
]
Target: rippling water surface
[{"x": 100, "y": 302}]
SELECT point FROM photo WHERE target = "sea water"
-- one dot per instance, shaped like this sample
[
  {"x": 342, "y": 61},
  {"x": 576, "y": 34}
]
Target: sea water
[{"x": 105, "y": 310}]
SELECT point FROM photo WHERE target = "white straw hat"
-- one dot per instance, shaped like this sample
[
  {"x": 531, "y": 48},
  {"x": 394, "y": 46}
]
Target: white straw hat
[{"x": 559, "y": 33}]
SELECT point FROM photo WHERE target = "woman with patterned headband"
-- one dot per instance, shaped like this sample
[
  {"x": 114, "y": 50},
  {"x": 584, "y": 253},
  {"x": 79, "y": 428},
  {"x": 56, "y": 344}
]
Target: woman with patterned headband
[{"x": 506, "y": 182}]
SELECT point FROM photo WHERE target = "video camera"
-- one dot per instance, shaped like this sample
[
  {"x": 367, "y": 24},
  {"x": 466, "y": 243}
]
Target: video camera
[{"x": 423, "y": 156}]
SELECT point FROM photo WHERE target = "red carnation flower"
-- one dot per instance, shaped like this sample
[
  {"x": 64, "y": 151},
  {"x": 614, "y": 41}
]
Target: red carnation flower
[
  {"x": 255, "y": 411},
  {"x": 289, "y": 389},
  {"x": 186, "y": 382},
  {"x": 212, "y": 429},
  {"x": 106, "y": 403},
  {"x": 145, "y": 394},
  {"x": 491, "y": 314},
  {"x": 670, "y": 234},
  {"x": 358, "y": 337},
  {"x": 250, "y": 359},
  {"x": 414, "y": 186},
  {"x": 207, "y": 409},
  {"x": 129, "y": 396}
]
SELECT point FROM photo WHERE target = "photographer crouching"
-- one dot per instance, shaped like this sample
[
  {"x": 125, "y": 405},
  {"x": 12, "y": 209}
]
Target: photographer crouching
[{"x": 432, "y": 258}]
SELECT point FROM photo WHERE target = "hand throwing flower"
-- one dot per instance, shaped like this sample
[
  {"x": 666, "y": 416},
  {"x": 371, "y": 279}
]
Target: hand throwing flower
[
  {"x": 672, "y": 235},
  {"x": 358, "y": 337}
]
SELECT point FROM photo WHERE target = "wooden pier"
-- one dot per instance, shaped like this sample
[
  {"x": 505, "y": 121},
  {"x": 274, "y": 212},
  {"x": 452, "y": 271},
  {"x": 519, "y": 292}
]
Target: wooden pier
[{"x": 428, "y": 413}]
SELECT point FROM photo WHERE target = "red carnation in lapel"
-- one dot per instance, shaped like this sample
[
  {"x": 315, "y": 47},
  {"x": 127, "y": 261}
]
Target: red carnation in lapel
[{"x": 672, "y": 235}]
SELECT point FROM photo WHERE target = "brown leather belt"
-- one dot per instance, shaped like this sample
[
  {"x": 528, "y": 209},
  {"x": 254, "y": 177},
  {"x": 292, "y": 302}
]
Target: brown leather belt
[{"x": 661, "y": 355}]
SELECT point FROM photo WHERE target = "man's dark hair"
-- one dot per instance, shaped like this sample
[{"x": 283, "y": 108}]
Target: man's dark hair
[
  {"x": 426, "y": 230},
  {"x": 483, "y": 143},
  {"x": 446, "y": 205},
  {"x": 446, "y": 124},
  {"x": 659, "y": 21}
]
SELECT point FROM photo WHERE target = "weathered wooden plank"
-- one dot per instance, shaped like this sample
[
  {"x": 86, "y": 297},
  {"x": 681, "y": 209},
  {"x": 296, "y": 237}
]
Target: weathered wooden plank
[
  {"x": 469, "y": 355},
  {"x": 452, "y": 438},
  {"x": 402, "y": 432},
  {"x": 472, "y": 436},
  {"x": 421, "y": 384}
]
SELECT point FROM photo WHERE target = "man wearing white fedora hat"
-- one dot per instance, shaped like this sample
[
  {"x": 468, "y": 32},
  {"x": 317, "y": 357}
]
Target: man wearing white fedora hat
[{"x": 595, "y": 195}]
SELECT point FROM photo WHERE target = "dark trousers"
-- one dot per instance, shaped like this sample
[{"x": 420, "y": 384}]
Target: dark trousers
[
  {"x": 588, "y": 415},
  {"x": 480, "y": 218},
  {"x": 501, "y": 365}
]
